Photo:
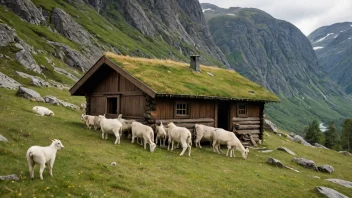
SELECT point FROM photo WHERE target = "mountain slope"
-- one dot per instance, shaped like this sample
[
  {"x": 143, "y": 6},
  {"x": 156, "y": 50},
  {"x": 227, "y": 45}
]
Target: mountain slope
[
  {"x": 275, "y": 54},
  {"x": 333, "y": 46}
]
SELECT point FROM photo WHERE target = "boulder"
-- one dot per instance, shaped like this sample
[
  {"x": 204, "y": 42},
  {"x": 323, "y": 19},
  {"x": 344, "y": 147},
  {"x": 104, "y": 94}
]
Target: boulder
[
  {"x": 270, "y": 126},
  {"x": 341, "y": 182},
  {"x": 9, "y": 177},
  {"x": 326, "y": 168},
  {"x": 286, "y": 150},
  {"x": 7, "y": 82},
  {"x": 317, "y": 145},
  {"x": 266, "y": 151},
  {"x": 51, "y": 100},
  {"x": 305, "y": 163},
  {"x": 58, "y": 85},
  {"x": 3, "y": 139},
  {"x": 29, "y": 94},
  {"x": 301, "y": 140},
  {"x": 345, "y": 153},
  {"x": 25, "y": 9},
  {"x": 38, "y": 82},
  {"x": 330, "y": 193},
  {"x": 7, "y": 35}
]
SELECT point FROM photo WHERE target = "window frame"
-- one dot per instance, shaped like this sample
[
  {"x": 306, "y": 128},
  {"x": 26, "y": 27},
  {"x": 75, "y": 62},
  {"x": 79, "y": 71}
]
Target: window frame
[
  {"x": 245, "y": 109},
  {"x": 117, "y": 105},
  {"x": 186, "y": 109}
]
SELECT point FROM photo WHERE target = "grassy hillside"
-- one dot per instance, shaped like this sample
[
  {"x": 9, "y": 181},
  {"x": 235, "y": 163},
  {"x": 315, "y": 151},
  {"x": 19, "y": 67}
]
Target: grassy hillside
[{"x": 83, "y": 168}]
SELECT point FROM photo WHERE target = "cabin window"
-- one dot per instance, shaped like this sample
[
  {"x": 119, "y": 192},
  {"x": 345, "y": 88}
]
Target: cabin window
[
  {"x": 181, "y": 109},
  {"x": 112, "y": 107},
  {"x": 242, "y": 110}
]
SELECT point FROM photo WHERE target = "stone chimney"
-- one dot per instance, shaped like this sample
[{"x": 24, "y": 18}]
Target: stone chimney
[{"x": 195, "y": 62}]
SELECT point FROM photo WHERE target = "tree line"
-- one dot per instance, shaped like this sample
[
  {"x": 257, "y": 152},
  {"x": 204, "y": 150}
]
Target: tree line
[{"x": 330, "y": 138}]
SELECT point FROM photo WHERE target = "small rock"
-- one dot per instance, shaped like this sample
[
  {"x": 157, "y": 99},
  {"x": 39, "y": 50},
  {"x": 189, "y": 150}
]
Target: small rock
[
  {"x": 66, "y": 104},
  {"x": 7, "y": 82},
  {"x": 9, "y": 177},
  {"x": 113, "y": 163},
  {"x": 344, "y": 183},
  {"x": 3, "y": 139},
  {"x": 51, "y": 100},
  {"x": 290, "y": 138},
  {"x": 345, "y": 153},
  {"x": 320, "y": 146},
  {"x": 305, "y": 163},
  {"x": 29, "y": 94},
  {"x": 58, "y": 85},
  {"x": 330, "y": 193},
  {"x": 266, "y": 151},
  {"x": 326, "y": 169},
  {"x": 316, "y": 177},
  {"x": 276, "y": 162},
  {"x": 210, "y": 74},
  {"x": 286, "y": 150}
]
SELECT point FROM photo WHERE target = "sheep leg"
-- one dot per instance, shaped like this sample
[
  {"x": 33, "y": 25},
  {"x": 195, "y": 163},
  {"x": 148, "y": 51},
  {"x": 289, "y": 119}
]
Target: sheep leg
[
  {"x": 215, "y": 147},
  {"x": 199, "y": 137},
  {"x": 184, "y": 148},
  {"x": 102, "y": 135},
  {"x": 169, "y": 143},
  {"x": 42, "y": 167},
  {"x": 117, "y": 141},
  {"x": 189, "y": 150},
  {"x": 145, "y": 144},
  {"x": 164, "y": 141},
  {"x": 172, "y": 145},
  {"x": 31, "y": 166}
]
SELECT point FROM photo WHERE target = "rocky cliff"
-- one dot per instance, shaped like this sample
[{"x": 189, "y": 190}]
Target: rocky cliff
[{"x": 333, "y": 46}]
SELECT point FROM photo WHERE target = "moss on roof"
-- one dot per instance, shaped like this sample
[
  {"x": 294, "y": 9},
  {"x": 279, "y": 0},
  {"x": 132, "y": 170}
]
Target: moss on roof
[{"x": 175, "y": 78}]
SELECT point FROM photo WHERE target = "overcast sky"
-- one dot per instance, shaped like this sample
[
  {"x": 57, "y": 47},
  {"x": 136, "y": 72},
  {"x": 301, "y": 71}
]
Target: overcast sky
[{"x": 307, "y": 15}]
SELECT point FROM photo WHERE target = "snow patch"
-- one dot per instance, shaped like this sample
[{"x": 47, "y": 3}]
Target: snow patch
[
  {"x": 323, "y": 38},
  {"x": 207, "y": 9},
  {"x": 231, "y": 14},
  {"x": 322, "y": 127},
  {"x": 319, "y": 47}
]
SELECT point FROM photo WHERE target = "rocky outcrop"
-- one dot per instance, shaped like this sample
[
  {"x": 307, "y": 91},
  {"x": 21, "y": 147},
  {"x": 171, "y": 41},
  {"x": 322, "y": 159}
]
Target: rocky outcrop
[
  {"x": 25, "y": 9},
  {"x": 9, "y": 177},
  {"x": 25, "y": 58},
  {"x": 341, "y": 182},
  {"x": 3, "y": 139},
  {"x": 330, "y": 193},
  {"x": 66, "y": 73},
  {"x": 317, "y": 145},
  {"x": 7, "y": 35},
  {"x": 278, "y": 163},
  {"x": 301, "y": 140},
  {"x": 7, "y": 82},
  {"x": 53, "y": 100},
  {"x": 69, "y": 28},
  {"x": 286, "y": 150},
  {"x": 270, "y": 126},
  {"x": 305, "y": 163},
  {"x": 326, "y": 169},
  {"x": 58, "y": 85},
  {"x": 35, "y": 80},
  {"x": 29, "y": 94}
]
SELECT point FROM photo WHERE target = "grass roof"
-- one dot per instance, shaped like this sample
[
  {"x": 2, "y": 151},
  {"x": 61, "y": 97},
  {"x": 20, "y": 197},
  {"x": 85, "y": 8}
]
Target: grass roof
[{"x": 176, "y": 78}]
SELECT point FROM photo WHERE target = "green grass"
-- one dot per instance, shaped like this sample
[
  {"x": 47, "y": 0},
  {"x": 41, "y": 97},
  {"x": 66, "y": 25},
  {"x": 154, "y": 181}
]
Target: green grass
[
  {"x": 83, "y": 168},
  {"x": 225, "y": 83}
]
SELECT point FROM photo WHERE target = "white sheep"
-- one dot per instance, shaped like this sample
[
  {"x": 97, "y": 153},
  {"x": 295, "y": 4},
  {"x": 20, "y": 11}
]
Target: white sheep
[
  {"x": 181, "y": 135},
  {"x": 203, "y": 132},
  {"x": 42, "y": 111},
  {"x": 126, "y": 124},
  {"x": 88, "y": 119},
  {"x": 160, "y": 133},
  {"x": 144, "y": 132},
  {"x": 96, "y": 122},
  {"x": 221, "y": 136},
  {"x": 43, "y": 155},
  {"x": 112, "y": 126}
]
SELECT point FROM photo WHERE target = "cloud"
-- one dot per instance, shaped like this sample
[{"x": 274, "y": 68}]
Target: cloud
[{"x": 307, "y": 15}]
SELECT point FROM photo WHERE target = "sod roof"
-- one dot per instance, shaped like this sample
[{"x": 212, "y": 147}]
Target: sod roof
[{"x": 170, "y": 78}]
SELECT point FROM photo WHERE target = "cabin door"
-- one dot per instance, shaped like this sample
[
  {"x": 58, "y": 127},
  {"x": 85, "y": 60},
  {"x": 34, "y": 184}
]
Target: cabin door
[
  {"x": 112, "y": 106},
  {"x": 223, "y": 115}
]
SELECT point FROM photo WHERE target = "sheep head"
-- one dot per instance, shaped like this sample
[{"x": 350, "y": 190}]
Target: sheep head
[
  {"x": 57, "y": 144},
  {"x": 245, "y": 153},
  {"x": 152, "y": 147},
  {"x": 171, "y": 125}
]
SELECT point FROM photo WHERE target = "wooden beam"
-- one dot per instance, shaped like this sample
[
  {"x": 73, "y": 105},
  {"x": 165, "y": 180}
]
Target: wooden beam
[
  {"x": 246, "y": 122},
  {"x": 234, "y": 119},
  {"x": 248, "y": 127},
  {"x": 242, "y": 132},
  {"x": 200, "y": 121}
]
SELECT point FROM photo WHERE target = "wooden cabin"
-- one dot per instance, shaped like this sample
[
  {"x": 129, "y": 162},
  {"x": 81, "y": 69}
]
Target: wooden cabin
[{"x": 154, "y": 91}]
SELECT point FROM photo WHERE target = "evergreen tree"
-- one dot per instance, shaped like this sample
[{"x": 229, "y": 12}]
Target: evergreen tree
[
  {"x": 331, "y": 137},
  {"x": 313, "y": 133},
  {"x": 346, "y": 136}
]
